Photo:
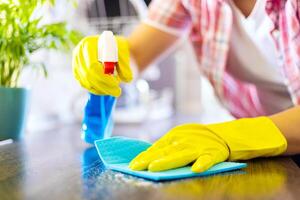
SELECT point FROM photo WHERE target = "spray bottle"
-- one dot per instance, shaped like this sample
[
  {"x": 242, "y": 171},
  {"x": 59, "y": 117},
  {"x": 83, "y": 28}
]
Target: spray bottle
[{"x": 98, "y": 121}]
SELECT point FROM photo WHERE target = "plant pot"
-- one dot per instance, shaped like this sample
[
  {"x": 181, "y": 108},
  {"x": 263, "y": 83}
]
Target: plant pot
[{"x": 13, "y": 112}]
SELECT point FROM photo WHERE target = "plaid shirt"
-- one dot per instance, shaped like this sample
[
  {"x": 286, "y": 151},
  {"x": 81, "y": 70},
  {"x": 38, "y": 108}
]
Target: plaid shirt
[{"x": 209, "y": 23}]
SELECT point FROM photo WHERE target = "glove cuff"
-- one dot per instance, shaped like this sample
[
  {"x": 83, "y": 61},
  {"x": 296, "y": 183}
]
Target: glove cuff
[{"x": 251, "y": 137}]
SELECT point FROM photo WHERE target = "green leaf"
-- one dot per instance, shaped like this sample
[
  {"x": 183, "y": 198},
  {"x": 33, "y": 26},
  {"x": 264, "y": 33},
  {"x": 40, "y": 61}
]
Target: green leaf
[{"x": 21, "y": 35}]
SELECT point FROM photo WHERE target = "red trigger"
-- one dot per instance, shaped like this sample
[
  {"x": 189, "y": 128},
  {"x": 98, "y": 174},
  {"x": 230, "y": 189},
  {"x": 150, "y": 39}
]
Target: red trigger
[{"x": 109, "y": 67}]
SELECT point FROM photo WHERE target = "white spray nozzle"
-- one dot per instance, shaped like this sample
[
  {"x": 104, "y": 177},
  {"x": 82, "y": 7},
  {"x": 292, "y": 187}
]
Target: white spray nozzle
[{"x": 108, "y": 51}]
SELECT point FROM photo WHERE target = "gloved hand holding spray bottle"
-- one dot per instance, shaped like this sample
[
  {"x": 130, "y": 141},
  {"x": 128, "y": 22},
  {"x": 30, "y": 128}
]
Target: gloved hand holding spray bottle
[{"x": 97, "y": 121}]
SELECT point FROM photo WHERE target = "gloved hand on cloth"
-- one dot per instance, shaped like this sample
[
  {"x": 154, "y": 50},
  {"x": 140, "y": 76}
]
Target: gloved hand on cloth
[{"x": 207, "y": 145}]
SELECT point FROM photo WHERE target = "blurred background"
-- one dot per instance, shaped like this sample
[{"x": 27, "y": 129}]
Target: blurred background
[{"x": 170, "y": 86}]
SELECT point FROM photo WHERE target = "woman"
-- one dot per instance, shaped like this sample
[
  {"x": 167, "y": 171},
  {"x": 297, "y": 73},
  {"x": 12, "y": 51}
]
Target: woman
[{"x": 250, "y": 52}]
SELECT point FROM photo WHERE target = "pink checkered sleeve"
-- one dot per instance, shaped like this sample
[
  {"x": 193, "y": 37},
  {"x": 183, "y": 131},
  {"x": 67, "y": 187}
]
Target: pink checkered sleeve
[{"x": 170, "y": 16}]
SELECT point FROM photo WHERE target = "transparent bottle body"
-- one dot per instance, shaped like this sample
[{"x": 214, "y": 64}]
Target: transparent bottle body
[{"x": 98, "y": 118}]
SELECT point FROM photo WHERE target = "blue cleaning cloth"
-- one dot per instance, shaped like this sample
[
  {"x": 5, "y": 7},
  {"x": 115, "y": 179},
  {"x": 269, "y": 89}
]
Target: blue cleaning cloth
[{"x": 117, "y": 152}]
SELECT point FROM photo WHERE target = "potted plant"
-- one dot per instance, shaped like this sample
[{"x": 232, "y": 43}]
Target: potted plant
[{"x": 22, "y": 34}]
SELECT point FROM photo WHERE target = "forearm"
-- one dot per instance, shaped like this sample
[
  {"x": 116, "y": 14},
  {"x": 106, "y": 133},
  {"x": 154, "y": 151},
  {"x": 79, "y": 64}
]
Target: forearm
[
  {"x": 147, "y": 43},
  {"x": 288, "y": 122}
]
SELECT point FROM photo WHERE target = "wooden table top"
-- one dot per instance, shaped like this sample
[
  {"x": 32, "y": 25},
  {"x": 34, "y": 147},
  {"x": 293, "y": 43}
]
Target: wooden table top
[{"x": 57, "y": 164}]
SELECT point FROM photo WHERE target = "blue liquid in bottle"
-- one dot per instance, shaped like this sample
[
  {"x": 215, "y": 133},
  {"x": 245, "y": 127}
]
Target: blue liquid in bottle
[{"x": 98, "y": 121}]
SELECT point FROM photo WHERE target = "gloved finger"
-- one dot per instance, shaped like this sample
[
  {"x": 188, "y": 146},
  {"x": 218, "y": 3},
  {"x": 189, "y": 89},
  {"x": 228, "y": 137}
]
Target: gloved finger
[
  {"x": 142, "y": 161},
  {"x": 102, "y": 92},
  {"x": 105, "y": 84},
  {"x": 207, "y": 160},
  {"x": 82, "y": 75},
  {"x": 112, "y": 92},
  {"x": 85, "y": 54},
  {"x": 80, "y": 65},
  {"x": 123, "y": 66},
  {"x": 97, "y": 72},
  {"x": 124, "y": 74},
  {"x": 81, "y": 80},
  {"x": 174, "y": 160},
  {"x": 89, "y": 49},
  {"x": 203, "y": 163},
  {"x": 101, "y": 89}
]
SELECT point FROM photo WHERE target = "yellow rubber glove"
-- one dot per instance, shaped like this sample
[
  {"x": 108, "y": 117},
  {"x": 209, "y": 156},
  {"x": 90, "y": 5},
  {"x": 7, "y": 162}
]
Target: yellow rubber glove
[
  {"x": 207, "y": 145},
  {"x": 90, "y": 73}
]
